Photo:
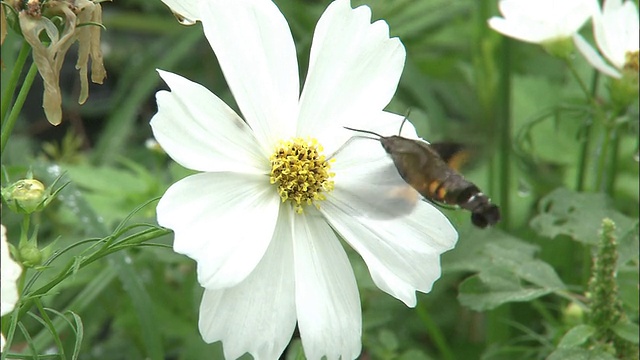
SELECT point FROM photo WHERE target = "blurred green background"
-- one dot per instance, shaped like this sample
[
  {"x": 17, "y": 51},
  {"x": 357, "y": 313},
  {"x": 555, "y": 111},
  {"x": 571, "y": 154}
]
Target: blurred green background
[{"x": 518, "y": 110}]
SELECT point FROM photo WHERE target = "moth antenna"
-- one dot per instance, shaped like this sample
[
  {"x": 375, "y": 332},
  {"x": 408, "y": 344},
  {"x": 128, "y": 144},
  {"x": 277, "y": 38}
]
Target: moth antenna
[
  {"x": 364, "y": 131},
  {"x": 406, "y": 117}
]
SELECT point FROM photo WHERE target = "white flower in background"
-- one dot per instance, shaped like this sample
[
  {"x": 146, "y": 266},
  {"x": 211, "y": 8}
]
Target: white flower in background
[
  {"x": 542, "y": 21},
  {"x": 616, "y": 31},
  {"x": 261, "y": 217},
  {"x": 9, "y": 273}
]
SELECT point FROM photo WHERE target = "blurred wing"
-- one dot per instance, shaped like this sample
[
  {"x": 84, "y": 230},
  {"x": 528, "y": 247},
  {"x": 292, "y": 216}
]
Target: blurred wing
[
  {"x": 454, "y": 154},
  {"x": 368, "y": 182}
]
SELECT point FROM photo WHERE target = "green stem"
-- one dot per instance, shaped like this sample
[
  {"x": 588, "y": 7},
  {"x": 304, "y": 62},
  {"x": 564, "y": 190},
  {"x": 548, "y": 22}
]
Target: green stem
[
  {"x": 7, "y": 127},
  {"x": 10, "y": 333},
  {"x": 601, "y": 170},
  {"x": 586, "y": 143},
  {"x": 436, "y": 335},
  {"x": 51, "y": 327},
  {"x": 583, "y": 86},
  {"x": 24, "y": 230},
  {"x": 613, "y": 161},
  {"x": 13, "y": 80},
  {"x": 71, "y": 267},
  {"x": 503, "y": 114}
]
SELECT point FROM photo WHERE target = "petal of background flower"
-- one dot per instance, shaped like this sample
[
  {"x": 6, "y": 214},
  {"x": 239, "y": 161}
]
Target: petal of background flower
[
  {"x": 524, "y": 30},
  {"x": 327, "y": 300},
  {"x": 616, "y": 30},
  {"x": 593, "y": 57},
  {"x": 542, "y": 20},
  {"x": 200, "y": 132},
  {"x": 254, "y": 46},
  {"x": 224, "y": 221},
  {"x": 258, "y": 315},
  {"x": 402, "y": 254},
  {"x": 186, "y": 8},
  {"x": 10, "y": 272},
  {"x": 354, "y": 69}
]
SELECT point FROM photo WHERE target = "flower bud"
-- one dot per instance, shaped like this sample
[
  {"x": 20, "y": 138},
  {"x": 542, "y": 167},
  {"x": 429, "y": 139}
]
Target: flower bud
[
  {"x": 30, "y": 255},
  {"x": 25, "y": 196},
  {"x": 624, "y": 91},
  {"x": 560, "y": 48},
  {"x": 573, "y": 314}
]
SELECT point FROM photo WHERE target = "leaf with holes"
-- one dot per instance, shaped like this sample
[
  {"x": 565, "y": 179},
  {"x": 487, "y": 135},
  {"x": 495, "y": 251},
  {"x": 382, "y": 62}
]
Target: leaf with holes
[{"x": 579, "y": 216}]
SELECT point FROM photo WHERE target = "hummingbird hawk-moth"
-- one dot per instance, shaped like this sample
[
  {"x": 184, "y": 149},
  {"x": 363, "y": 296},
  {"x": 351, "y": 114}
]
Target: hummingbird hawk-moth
[{"x": 425, "y": 167}]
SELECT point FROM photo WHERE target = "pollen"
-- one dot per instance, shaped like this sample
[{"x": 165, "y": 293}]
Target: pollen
[
  {"x": 632, "y": 60},
  {"x": 301, "y": 172}
]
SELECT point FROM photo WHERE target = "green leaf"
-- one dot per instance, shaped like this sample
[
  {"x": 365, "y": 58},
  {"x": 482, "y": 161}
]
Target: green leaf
[
  {"x": 480, "y": 295},
  {"x": 576, "y": 336},
  {"x": 580, "y": 354},
  {"x": 579, "y": 216},
  {"x": 627, "y": 330},
  {"x": 507, "y": 272}
]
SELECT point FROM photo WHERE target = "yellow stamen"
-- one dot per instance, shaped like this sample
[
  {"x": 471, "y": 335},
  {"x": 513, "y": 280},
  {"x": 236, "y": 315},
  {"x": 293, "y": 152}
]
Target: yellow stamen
[{"x": 301, "y": 172}]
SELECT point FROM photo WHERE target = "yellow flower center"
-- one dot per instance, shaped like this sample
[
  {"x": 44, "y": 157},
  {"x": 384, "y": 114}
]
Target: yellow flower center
[
  {"x": 301, "y": 172},
  {"x": 632, "y": 60}
]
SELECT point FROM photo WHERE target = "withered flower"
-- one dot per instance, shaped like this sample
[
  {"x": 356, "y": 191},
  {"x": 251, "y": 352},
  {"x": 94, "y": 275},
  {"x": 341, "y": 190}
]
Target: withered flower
[{"x": 81, "y": 22}]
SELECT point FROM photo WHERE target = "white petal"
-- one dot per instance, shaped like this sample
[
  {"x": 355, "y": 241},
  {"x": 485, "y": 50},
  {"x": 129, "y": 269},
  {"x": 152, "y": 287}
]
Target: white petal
[
  {"x": 593, "y": 57},
  {"x": 368, "y": 184},
  {"x": 254, "y": 46},
  {"x": 631, "y": 31},
  {"x": 258, "y": 315},
  {"x": 186, "y": 8},
  {"x": 327, "y": 300},
  {"x": 199, "y": 131},
  {"x": 403, "y": 254},
  {"x": 354, "y": 69},
  {"x": 616, "y": 31},
  {"x": 224, "y": 221},
  {"x": 10, "y": 272},
  {"x": 524, "y": 30},
  {"x": 542, "y": 20}
]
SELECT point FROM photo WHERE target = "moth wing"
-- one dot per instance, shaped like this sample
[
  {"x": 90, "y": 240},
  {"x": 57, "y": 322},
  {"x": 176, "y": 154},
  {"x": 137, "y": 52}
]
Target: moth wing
[{"x": 372, "y": 182}]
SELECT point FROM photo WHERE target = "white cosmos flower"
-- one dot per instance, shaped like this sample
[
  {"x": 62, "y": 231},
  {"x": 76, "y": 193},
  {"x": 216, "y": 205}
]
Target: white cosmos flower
[
  {"x": 541, "y": 21},
  {"x": 266, "y": 262},
  {"x": 9, "y": 274},
  {"x": 616, "y": 31}
]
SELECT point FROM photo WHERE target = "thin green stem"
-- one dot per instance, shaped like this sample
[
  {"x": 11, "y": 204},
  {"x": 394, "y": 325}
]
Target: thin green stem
[
  {"x": 7, "y": 127},
  {"x": 24, "y": 229},
  {"x": 72, "y": 266},
  {"x": 52, "y": 329},
  {"x": 10, "y": 333},
  {"x": 13, "y": 80},
  {"x": 602, "y": 168},
  {"x": 613, "y": 161},
  {"x": 504, "y": 118},
  {"x": 581, "y": 83},
  {"x": 586, "y": 143},
  {"x": 436, "y": 335}
]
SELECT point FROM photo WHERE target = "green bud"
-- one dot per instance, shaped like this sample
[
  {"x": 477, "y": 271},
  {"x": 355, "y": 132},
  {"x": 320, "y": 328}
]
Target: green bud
[
  {"x": 26, "y": 196},
  {"x": 624, "y": 91},
  {"x": 561, "y": 48},
  {"x": 573, "y": 314},
  {"x": 30, "y": 255}
]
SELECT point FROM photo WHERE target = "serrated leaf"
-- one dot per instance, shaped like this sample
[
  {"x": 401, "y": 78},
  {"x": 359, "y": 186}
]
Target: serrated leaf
[
  {"x": 480, "y": 296},
  {"x": 578, "y": 335},
  {"x": 577, "y": 215},
  {"x": 510, "y": 273}
]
